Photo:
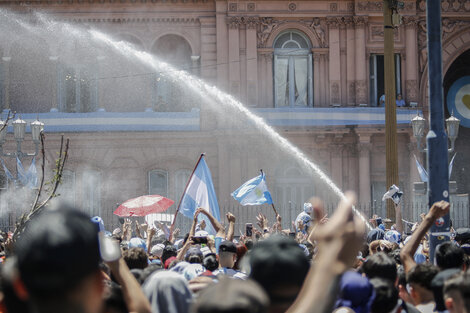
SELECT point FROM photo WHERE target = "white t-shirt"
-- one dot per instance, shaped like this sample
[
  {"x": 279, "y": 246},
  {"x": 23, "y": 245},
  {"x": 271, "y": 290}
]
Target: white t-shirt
[{"x": 230, "y": 272}]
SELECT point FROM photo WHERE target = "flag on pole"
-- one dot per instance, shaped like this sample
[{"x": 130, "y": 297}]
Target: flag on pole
[
  {"x": 451, "y": 164},
  {"x": 32, "y": 175},
  {"x": 253, "y": 192},
  {"x": 7, "y": 171},
  {"x": 200, "y": 192},
  {"x": 22, "y": 176},
  {"x": 422, "y": 172}
]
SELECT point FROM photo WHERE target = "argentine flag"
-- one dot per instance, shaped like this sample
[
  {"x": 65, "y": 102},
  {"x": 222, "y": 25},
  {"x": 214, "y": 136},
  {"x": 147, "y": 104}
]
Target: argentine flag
[
  {"x": 200, "y": 193},
  {"x": 253, "y": 192}
]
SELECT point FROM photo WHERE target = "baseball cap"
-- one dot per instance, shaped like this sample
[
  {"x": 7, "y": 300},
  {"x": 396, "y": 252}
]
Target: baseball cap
[
  {"x": 193, "y": 251},
  {"x": 157, "y": 250},
  {"x": 227, "y": 246},
  {"x": 137, "y": 243},
  {"x": 58, "y": 248}
]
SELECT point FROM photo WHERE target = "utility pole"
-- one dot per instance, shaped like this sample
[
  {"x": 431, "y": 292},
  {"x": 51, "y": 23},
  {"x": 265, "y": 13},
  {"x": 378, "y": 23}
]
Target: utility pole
[
  {"x": 391, "y": 153},
  {"x": 438, "y": 182}
]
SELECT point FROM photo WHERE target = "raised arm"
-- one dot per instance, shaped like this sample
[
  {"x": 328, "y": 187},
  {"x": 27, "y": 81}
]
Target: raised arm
[
  {"x": 339, "y": 241},
  {"x": 437, "y": 210},
  {"x": 134, "y": 297},
  {"x": 231, "y": 226},
  {"x": 398, "y": 218},
  {"x": 219, "y": 229},
  {"x": 188, "y": 242}
]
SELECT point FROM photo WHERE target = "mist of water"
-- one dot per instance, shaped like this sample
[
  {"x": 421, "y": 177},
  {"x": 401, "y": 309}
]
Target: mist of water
[{"x": 197, "y": 85}]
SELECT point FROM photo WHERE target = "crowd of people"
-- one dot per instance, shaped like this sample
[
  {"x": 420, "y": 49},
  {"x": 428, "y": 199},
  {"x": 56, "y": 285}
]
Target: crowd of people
[{"x": 65, "y": 262}]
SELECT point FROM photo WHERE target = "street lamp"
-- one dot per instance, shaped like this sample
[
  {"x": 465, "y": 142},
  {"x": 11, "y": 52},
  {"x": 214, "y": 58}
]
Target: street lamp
[
  {"x": 19, "y": 130},
  {"x": 452, "y": 126}
]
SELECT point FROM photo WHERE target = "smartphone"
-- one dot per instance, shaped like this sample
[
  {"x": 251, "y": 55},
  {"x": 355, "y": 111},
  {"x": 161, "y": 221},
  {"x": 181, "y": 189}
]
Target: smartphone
[
  {"x": 379, "y": 221},
  {"x": 200, "y": 240},
  {"x": 121, "y": 220},
  {"x": 292, "y": 234},
  {"x": 248, "y": 229}
]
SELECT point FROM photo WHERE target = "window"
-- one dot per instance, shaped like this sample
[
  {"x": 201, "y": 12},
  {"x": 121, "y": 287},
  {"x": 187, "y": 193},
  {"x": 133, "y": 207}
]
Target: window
[
  {"x": 377, "y": 83},
  {"x": 91, "y": 184},
  {"x": 158, "y": 183},
  {"x": 293, "y": 78},
  {"x": 66, "y": 188},
  {"x": 293, "y": 188},
  {"x": 181, "y": 179},
  {"x": 168, "y": 93},
  {"x": 77, "y": 90}
]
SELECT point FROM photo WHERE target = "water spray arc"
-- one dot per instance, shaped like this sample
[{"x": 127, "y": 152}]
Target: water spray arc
[
  {"x": 126, "y": 49},
  {"x": 199, "y": 85}
]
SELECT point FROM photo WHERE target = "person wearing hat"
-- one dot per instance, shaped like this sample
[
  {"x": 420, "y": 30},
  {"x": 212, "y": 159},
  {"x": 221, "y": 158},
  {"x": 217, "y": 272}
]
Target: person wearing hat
[
  {"x": 57, "y": 260},
  {"x": 227, "y": 257}
]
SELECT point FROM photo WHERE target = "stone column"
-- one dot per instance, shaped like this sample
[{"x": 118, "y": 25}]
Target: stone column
[
  {"x": 323, "y": 81},
  {"x": 350, "y": 61},
  {"x": 234, "y": 55},
  {"x": 334, "y": 58},
  {"x": 6, "y": 83},
  {"x": 99, "y": 90},
  {"x": 336, "y": 155},
  {"x": 55, "y": 83},
  {"x": 343, "y": 59},
  {"x": 251, "y": 61},
  {"x": 222, "y": 44},
  {"x": 361, "y": 75},
  {"x": 316, "y": 80},
  {"x": 411, "y": 63},
  {"x": 269, "y": 79},
  {"x": 364, "y": 147}
]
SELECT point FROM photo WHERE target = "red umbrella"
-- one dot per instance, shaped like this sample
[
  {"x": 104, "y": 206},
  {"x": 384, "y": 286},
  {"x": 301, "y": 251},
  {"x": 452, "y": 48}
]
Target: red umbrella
[{"x": 144, "y": 205}]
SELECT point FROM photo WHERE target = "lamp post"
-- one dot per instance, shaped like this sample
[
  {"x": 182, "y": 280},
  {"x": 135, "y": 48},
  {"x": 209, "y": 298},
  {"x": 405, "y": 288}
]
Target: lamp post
[
  {"x": 19, "y": 130},
  {"x": 418, "y": 125}
]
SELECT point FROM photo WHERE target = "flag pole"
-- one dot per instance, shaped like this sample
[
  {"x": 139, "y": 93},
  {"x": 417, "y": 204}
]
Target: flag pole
[
  {"x": 181, "y": 199},
  {"x": 272, "y": 204}
]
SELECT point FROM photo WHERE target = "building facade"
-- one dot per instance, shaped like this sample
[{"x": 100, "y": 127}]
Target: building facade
[{"x": 312, "y": 69}]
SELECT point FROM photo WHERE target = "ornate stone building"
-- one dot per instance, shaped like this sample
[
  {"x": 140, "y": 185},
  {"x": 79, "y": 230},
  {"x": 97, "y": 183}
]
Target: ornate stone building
[{"x": 312, "y": 69}]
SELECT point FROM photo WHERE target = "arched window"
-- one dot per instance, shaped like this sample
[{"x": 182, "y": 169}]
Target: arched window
[
  {"x": 158, "y": 182},
  {"x": 293, "y": 188},
  {"x": 91, "y": 184},
  {"x": 293, "y": 70},
  {"x": 181, "y": 179},
  {"x": 169, "y": 93}
]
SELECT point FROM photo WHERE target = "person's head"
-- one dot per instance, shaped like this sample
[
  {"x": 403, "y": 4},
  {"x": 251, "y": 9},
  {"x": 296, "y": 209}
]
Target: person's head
[
  {"x": 210, "y": 262},
  {"x": 167, "y": 291},
  {"x": 241, "y": 251},
  {"x": 355, "y": 292},
  {"x": 437, "y": 286},
  {"x": 168, "y": 252},
  {"x": 279, "y": 265},
  {"x": 227, "y": 254},
  {"x": 232, "y": 296},
  {"x": 58, "y": 261},
  {"x": 386, "y": 296},
  {"x": 419, "y": 279},
  {"x": 380, "y": 265},
  {"x": 449, "y": 255},
  {"x": 399, "y": 96},
  {"x": 193, "y": 255},
  {"x": 135, "y": 258},
  {"x": 457, "y": 293}
]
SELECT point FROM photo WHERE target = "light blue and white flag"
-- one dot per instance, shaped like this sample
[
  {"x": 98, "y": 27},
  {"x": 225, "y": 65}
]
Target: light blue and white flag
[
  {"x": 253, "y": 192},
  {"x": 32, "y": 175},
  {"x": 451, "y": 164},
  {"x": 7, "y": 171},
  {"x": 22, "y": 175},
  {"x": 200, "y": 193},
  {"x": 422, "y": 172}
]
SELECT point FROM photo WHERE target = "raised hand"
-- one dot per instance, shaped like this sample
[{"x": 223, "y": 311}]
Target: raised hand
[{"x": 230, "y": 217}]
